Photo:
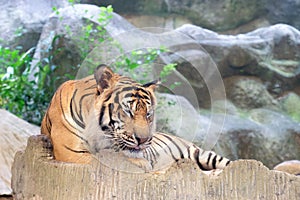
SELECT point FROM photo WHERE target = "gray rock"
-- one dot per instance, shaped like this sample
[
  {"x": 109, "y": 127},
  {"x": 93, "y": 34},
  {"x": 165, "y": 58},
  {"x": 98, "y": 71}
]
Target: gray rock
[
  {"x": 22, "y": 21},
  {"x": 283, "y": 12},
  {"x": 14, "y": 133},
  {"x": 271, "y": 53},
  {"x": 280, "y": 135},
  {"x": 248, "y": 92}
]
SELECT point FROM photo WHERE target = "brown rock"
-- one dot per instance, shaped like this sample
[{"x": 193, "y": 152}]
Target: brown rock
[{"x": 291, "y": 167}]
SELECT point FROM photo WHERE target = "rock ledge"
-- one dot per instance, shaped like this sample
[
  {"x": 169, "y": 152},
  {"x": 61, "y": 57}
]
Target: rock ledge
[{"x": 35, "y": 176}]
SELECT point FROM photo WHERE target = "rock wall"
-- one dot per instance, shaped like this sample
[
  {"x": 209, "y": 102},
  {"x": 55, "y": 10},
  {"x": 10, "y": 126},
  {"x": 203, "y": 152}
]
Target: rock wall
[
  {"x": 228, "y": 16},
  {"x": 36, "y": 176}
]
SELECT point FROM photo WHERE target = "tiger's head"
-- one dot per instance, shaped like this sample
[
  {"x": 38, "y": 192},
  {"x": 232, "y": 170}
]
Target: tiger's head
[{"x": 125, "y": 109}]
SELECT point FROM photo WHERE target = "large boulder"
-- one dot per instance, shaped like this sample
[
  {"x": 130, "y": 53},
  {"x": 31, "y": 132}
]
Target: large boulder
[
  {"x": 270, "y": 53},
  {"x": 262, "y": 134},
  {"x": 22, "y": 21},
  {"x": 66, "y": 38},
  {"x": 14, "y": 133}
]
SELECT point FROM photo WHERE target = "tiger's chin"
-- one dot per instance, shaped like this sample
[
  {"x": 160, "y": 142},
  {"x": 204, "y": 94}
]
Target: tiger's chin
[{"x": 133, "y": 153}]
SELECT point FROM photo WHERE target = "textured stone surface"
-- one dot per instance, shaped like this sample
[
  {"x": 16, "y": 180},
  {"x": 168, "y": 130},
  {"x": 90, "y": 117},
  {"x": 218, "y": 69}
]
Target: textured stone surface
[{"x": 244, "y": 179}]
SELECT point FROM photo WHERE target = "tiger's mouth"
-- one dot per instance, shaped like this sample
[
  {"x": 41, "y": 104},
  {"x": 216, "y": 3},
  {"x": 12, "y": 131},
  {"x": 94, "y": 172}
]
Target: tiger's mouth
[
  {"x": 135, "y": 146},
  {"x": 138, "y": 147}
]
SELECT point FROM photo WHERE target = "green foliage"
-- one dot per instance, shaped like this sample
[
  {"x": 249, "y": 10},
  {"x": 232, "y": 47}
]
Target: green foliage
[
  {"x": 18, "y": 93},
  {"x": 138, "y": 64}
]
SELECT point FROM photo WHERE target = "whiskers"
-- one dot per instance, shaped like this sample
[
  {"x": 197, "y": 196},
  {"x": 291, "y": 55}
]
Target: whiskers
[{"x": 123, "y": 142}]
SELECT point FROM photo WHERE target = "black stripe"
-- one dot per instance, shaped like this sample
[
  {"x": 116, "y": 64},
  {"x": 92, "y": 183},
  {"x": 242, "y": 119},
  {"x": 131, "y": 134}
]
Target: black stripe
[
  {"x": 176, "y": 145},
  {"x": 170, "y": 150},
  {"x": 228, "y": 162},
  {"x": 76, "y": 151},
  {"x": 208, "y": 159},
  {"x": 101, "y": 115},
  {"x": 110, "y": 110},
  {"x": 75, "y": 134},
  {"x": 108, "y": 97},
  {"x": 128, "y": 88},
  {"x": 214, "y": 161},
  {"x": 138, "y": 96},
  {"x": 119, "y": 113},
  {"x": 196, "y": 156},
  {"x": 142, "y": 89},
  {"x": 154, "y": 153},
  {"x": 62, "y": 109},
  {"x": 188, "y": 150},
  {"x": 80, "y": 123},
  {"x": 159, "y": 145},
  {"x": 80, "y": 104},
  {"x": 143, "y": 93},
  {"x": 221, "y": 158},
  {"x": 116, "y": 99},
  {"x": 79, "y": 114}
]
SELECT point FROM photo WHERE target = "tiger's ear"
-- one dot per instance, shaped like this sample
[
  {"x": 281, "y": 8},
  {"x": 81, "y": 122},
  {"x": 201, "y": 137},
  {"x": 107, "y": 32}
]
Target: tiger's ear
[
  {"x": 152, "y": 85},
  {"x": 104, "y": 77}
]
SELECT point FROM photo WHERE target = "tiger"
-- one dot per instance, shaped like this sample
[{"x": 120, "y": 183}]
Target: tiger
[{"x": 110, "y": 111}]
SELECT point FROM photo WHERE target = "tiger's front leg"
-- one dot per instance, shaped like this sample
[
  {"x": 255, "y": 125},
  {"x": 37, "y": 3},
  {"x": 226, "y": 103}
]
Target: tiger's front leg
[{"x": 67, "y": 147}]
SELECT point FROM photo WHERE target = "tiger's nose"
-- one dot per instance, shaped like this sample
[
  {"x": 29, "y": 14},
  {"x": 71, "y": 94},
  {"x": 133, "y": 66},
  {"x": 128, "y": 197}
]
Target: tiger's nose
[{"x": 141, "y": 140}]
